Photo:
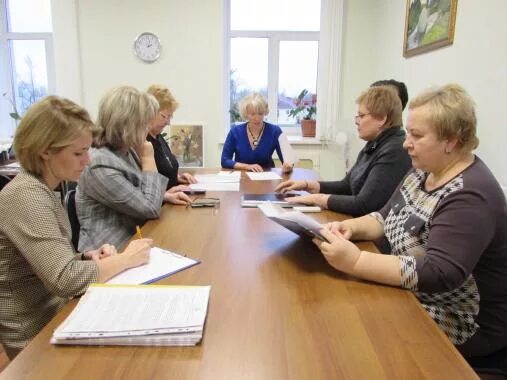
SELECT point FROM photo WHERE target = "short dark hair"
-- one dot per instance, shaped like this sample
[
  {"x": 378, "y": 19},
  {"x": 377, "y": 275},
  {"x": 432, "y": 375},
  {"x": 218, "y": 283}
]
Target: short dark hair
[{"x": 400, "y": 86}]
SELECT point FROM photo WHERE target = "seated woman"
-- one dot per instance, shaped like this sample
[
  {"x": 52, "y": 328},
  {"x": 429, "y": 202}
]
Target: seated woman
[
  {"x": 167, "y": 164},
  {"x": 447, "y": 226},
  {"x": 39, "y": 269},
  {"x": 121, "y": 188},
  {"x": 379, "y": 167},
  {"x": 252, "y": 143}
]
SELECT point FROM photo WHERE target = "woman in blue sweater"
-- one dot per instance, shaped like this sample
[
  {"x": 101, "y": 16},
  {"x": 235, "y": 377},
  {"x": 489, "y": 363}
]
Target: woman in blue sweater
[{"x": 249, "y": 146}]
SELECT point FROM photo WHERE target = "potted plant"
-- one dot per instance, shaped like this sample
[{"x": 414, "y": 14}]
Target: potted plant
[{"x": 304, "y": 112}]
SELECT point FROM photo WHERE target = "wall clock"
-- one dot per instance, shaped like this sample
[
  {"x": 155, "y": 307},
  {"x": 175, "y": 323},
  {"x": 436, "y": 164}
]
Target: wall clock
[{"x": 147, "y": 47}]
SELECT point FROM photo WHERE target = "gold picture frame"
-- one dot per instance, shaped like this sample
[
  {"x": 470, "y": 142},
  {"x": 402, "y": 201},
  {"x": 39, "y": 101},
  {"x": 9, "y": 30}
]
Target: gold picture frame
[
  {"x": 186, "y": 142},
  {"x": 429, "y": 25}
]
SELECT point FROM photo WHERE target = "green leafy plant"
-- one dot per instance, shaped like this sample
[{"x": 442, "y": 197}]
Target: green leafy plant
[{"x": 305, "y": 106}]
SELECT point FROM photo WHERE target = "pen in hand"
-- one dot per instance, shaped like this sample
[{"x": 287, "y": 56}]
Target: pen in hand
[{"x": 139, "y": 235}]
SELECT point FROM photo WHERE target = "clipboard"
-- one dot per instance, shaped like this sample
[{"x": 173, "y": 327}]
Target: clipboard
[{"x": 163, "y": 263}]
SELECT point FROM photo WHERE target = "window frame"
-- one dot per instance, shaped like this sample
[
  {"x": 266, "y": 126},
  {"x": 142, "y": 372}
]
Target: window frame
[
  {"x": 7, "y": 80},
  {"x": 274, "y": 38}
]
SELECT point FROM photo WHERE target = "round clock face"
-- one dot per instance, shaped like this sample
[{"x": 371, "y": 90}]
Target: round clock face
[{"x": 147, "y": 47}]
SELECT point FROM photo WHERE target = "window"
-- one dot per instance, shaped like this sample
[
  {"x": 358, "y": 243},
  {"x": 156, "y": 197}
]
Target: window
[
  {"x": 26, "y": 51},
  {"x": 273, "y": 49}
]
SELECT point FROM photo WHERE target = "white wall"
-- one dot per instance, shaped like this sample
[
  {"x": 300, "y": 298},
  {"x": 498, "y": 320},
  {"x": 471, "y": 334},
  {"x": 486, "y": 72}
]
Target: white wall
[
  {"x": 192, "y": 62},
  {"x": 477, "y": 60}
]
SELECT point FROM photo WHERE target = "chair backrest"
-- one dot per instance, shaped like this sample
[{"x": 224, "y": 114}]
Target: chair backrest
[
  {"x": 494, "y": 364},
  {"x": 4, "y": 180},
  {"x": 70, "y": 205}
]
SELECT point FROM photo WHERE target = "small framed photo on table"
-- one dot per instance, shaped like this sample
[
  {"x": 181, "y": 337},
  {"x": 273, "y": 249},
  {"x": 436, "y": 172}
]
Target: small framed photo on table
[{"x": 186, "y": 142}]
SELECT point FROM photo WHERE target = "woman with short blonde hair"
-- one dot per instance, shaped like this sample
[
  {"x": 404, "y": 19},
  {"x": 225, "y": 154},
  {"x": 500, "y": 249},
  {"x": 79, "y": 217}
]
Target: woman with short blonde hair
[
  {"x": 167, "y": 164},
  {"x": 250, "y": 146},
  {"x": 446, "y": 225},
  {"x": 39, "y": 268}
]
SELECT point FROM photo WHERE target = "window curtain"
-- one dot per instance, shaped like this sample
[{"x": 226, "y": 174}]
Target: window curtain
[{"x": 329, "y": 71}]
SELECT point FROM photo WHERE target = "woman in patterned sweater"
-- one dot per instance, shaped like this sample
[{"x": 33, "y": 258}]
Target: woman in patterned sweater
[
  {"x": 39, "y": 269},
  {"x": 447, "y": 226}
]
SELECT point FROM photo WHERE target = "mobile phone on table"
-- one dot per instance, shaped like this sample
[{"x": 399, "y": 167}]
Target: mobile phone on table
[{"x": 194, "y": 192}]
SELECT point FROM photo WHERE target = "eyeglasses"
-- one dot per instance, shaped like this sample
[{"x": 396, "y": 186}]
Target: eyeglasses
[
  {"x": 166, "y": 117},
  {"x": 361, "y": 115}
]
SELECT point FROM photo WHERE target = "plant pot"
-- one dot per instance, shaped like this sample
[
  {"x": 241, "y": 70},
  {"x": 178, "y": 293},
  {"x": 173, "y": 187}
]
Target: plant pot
[{"x": 308, "y": 128}]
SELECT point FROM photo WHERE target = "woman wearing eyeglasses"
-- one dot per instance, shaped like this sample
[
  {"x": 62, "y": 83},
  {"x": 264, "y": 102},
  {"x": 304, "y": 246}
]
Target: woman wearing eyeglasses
[
  {"x": 447, "y": 227},
  {"x": 167, "y": 164},
  {"x": 379, "y": 167}
]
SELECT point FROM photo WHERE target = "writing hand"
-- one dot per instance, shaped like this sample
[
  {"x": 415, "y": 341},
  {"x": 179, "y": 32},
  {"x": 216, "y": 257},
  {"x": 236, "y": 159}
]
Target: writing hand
[{"x": 104, "y": 251}]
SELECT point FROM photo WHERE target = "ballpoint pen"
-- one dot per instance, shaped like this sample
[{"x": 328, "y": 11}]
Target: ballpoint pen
[{"x": 138, "y": 233}]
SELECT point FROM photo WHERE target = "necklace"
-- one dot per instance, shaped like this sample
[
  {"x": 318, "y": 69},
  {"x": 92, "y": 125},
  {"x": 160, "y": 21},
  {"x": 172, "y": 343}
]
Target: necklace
[{"x": 255, "y": 140}]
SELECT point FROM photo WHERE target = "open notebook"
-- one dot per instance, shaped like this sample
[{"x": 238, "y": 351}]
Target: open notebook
[
  {"x": 162, "y": 263},
  {"x": 136, "y": 315}
]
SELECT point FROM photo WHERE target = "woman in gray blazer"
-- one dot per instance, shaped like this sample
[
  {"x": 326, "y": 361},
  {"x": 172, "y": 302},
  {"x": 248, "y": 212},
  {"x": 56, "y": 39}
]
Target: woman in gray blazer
[{"x": 121, "y": 188}]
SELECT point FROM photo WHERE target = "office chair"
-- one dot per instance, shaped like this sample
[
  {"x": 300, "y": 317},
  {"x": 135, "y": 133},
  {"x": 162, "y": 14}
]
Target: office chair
[
  {"x": 4, "y": 180},
  {"x": 70, "y": 206},
  {"x": 494, "y": 364}
]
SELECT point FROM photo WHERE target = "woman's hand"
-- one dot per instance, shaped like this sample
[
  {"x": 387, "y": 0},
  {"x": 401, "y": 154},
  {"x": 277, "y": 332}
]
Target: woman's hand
[
  {"x": 287, "y": 167},
  {"x": 176, "y": 189},
  {"x": 340, "y": 228},
  {"x": 340, "y": 253},
  {"x": 186, "y": 178},
  {"x": 137, "y": 252},
  {"x": 104, "y": 251},
  {"x": 254, "y": 168},
  {"x": 147, "y": 156},
  {"x": 310, "y": 186},
  {"x": 178, "y": 198},
  {"x": 290, "y": 185},
  {"x": 311, "y": 199}
]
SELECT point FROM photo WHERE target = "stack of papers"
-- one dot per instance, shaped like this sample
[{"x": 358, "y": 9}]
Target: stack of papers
[
  {"x": 263, "y": 176},
  {"x": 162, "y": 264},
  {"x": 294, "y": 221},
  {"x": 144, "y": 315},
  {"x": 222, "y": 181}
]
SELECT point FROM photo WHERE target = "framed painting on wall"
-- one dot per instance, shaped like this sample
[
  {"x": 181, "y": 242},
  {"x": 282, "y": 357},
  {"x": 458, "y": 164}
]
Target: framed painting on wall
[
  {"x": 429, "y": 25},
  {"x": 186, "y": 142}
]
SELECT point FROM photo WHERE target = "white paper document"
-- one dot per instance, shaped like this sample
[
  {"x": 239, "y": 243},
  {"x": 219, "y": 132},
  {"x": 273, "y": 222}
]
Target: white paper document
[
  {"x": 136, "y": 315},
  {"x": 162, "y": 264},
  {"x": 220, "y": 186},
  {"x": 218, "y": 178},
  {"x": 263, "y": 176},
  {"x": 287, "y": 152}
]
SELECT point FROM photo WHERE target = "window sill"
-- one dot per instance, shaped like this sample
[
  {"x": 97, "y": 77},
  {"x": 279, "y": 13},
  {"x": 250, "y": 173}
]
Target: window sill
[{"x": 296, "y": 140}]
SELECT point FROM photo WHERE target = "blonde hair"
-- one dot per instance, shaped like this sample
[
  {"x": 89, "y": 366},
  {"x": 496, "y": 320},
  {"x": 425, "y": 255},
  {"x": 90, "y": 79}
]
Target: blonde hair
[
  {"x": 256, "y": 101},
  {"x": 51, "y": 124},
  {"x": 451, "y": 111},
  {"x": 383, "y": 101},
  {"x": 165, "y": 99},
  {"x": 124, "y": 116}
]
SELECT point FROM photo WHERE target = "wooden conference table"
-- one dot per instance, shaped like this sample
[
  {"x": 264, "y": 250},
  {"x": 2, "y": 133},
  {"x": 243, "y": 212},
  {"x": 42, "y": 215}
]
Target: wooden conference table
[{"x": 277, "y": 310}]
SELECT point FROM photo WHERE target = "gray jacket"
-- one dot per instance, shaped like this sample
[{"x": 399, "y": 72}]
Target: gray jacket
[{"x": 113, "y": 196}]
